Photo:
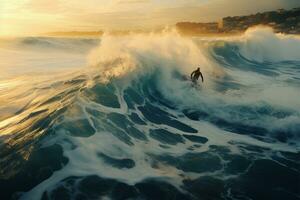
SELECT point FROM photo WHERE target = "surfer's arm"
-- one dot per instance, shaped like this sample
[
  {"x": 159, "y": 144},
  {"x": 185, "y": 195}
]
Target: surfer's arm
[
  {"x": 201, "y": 77},
  {"x": 192, "y": 74}
]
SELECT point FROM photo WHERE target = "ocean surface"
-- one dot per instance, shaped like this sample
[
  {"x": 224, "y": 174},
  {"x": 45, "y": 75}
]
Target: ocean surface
[{"x": 117, "y": 117}]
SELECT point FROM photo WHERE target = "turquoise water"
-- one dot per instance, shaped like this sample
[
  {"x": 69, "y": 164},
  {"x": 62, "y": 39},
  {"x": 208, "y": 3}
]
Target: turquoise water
[{"x": 121, "y": 121}]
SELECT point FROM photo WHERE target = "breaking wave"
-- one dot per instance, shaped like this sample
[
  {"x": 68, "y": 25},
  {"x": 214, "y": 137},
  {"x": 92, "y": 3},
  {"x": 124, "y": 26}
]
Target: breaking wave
[
  {"x": 132, "y": 125},
  {"x": 262, "y": 45}
]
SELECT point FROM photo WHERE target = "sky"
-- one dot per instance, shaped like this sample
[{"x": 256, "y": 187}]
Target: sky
[{"x": 25, "y": 17}]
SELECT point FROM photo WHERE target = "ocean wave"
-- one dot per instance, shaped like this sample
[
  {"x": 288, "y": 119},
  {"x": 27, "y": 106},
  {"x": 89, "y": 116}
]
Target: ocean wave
[
  {"x": 263, "y": 45},
  {"x": 50, "y": 44},
  {"x": 132, "y": 119}
]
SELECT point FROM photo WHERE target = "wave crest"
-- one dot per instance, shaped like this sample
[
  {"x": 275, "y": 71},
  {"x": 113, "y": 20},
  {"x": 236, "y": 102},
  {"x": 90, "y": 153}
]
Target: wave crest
[
  {"x": 263, "y": 45},
  {"x": 118, "y": 56}
]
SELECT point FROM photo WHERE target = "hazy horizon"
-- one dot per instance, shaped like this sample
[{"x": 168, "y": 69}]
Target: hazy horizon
[{"x": 27, "y": 17}]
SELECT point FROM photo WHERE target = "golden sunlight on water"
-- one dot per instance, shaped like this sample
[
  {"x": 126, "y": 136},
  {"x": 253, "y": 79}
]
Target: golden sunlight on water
[{"x": 26, "y": 100}]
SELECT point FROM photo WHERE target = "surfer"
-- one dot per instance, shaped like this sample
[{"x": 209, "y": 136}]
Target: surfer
[{"x": 195, "y": 75}]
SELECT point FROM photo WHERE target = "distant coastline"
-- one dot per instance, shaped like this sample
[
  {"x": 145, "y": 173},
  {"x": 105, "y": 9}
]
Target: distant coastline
[
  {"x": 93, "y": 33},
  {"x": 282, "y": 21}
]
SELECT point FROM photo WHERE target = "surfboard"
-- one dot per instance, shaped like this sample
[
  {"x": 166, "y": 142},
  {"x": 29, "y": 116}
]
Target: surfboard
[{"x": 194, "y": 84}]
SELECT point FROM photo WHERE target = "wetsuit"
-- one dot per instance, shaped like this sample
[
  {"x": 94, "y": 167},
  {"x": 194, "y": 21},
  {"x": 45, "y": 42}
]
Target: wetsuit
[{"x": 195, "y": 75}]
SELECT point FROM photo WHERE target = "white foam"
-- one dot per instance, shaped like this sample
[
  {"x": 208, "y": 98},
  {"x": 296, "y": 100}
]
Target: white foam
[
  {"x": 262, "y": 44},
  {"x": 126, "y": 59}
]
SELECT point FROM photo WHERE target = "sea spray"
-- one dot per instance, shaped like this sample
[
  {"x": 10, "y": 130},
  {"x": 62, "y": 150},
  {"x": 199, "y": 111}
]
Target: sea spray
[
  {"x": 263, "y": 45},
  {"x": 130, "y": 125}
]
